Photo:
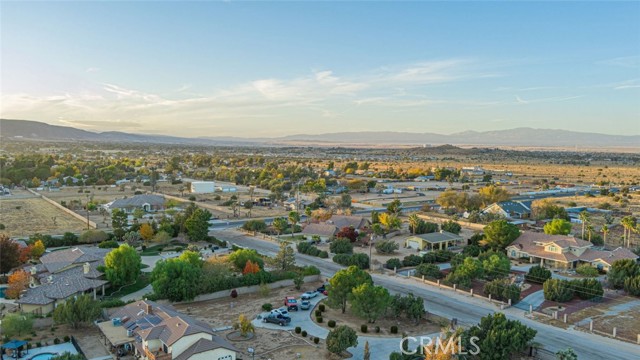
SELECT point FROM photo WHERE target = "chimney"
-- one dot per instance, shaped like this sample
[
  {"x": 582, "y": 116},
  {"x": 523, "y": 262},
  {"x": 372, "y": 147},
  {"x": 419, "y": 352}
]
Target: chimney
[
  {"x": 149, "y": 309},
  {"x": 33, "y": 270},
  {"x": 86, "y": 267}
]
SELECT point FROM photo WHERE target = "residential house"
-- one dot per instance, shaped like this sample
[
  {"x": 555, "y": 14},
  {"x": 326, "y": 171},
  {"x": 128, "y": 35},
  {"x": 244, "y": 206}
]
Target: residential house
[
  {"x": 61, "y": 275},
  {"x": 425, "y": 178},
  {"x": 148, "y": 203},
  {"x": 433, "y": 241},
  {"x": 158, "y": 332},
  {"x": 324, "y": 231},
  {"x": 561, "y": 251},
  {"x": 510, "y": 209},
  {"x": 342, "y": 221}
]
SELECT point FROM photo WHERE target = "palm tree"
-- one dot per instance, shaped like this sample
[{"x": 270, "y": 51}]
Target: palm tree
[
  {"x": 414, "y": 221},
  {"x": 307, "y": 212},
  {"x": 584, "y": 217},
  {"x": 629, "y": 223},
  {"x": 294, "y": 218},
  {"x": 589, "y": 231},
  {"x": 605, "y": 231}
]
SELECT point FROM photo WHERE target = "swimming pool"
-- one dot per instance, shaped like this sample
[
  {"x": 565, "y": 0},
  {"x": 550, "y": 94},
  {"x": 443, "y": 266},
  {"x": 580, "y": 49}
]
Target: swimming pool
[
  {"x": 2, "y": 289},
  {"x": 43, "y": 356}
]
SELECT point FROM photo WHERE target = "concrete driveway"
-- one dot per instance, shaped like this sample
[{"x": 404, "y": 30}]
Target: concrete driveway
[{"x": 535, "y": 299}]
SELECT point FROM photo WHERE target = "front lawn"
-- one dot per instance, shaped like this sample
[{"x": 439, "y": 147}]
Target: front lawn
[{"x": 142, "y": 281}]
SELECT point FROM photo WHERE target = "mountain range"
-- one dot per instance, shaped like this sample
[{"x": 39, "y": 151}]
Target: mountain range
[{"x": 34, "y": 130}]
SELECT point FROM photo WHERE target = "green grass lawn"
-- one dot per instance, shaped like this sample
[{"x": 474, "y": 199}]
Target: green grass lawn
[{"x": 143, "y": 281}]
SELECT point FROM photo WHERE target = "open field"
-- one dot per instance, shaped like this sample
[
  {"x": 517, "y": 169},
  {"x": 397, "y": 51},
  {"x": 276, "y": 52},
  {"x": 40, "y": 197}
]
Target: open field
[{"x": 24, "y": 217}]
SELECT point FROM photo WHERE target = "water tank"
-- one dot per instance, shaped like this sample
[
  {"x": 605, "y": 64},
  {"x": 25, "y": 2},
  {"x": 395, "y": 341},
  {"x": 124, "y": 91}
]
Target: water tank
[
  {"x": 130, "y": 333},
  {"x": 115, "y": 321}
]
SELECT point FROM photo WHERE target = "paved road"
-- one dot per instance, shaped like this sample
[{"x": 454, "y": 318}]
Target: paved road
[{"x": 466, "y": 309}]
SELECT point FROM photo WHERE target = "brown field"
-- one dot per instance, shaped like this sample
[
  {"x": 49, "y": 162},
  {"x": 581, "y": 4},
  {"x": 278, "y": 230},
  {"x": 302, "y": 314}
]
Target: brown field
[{"x": 24, "y": 217}]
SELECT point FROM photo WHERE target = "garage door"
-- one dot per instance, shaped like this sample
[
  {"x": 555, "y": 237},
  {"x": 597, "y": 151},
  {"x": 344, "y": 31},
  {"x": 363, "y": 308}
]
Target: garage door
[{"x": 414, "y": 244}]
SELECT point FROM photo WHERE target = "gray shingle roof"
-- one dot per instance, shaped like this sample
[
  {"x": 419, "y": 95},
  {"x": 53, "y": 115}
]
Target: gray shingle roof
[
  {"x": 137, "y": 201},
  {"x": 320, "y": 229},
  {"x": 63, "y": 285},
  {"x": 204, "y": 345},
  {"x": 438, "y": 237},
  {"x": 56, "y": 260},
  {"x": 341, "y": 221}
]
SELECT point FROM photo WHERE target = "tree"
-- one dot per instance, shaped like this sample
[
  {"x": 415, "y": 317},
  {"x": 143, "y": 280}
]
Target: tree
[
  {"x": 492, "y": 194},
  {"x": 429, "y": 271},
  {"x": 192, "y": 257},
  {"x": 122, "y": 265},
  {"x": 280, "y": 224},
  {"x": 146, "y": 232},
  {"x": 37, "y": 250},
  {"x": 175, "y": 280},
  {"x": 255, "y": 225},
  {"x": 538, "y": 274},
  {"x": 545, "y": 209},
  {"x": 367, "y": 352},
  {"x": 557, "y": 227},
  {"x": 558, "y": 290},
  {"x": 9, "y": 254},
  {"x": 629, "y": 224},
  {"x": 390, "y": 222},
  {"x": 244, "y": 325},
  {"x": 386, "y": 247},
  {"x": 285, "y": 259},
  {"x": 585, "y": 218},
  {"x": 375, "y": 217},
  {"x": 497, "y": 337},
  {"x": 632, "y": 285},
  {"x": 471, "y": 268},
  {"x": 119, "y": 223},
  {"x": 394, "y": 208},
  {"x": 162, "y": 237},
  {"x": 414, "y": 222},
  {"x": 499, "y": 234},
  {"x": 197, "y": 225},
  {"x": 251, "y": 268},
  {"x": 347, "y": 232},
  {"x": 567, "y": 354},
  {"x": 340, "y": 339},
  {"x": 18, "y": 282},
  {"x": 77, "y": 311},
  {"x": 451, "y": 226},
  {"x": 605, "y": 231},
  {"x": 496, "y": 266},
  {"x": 16, "y": 325},
  {"x": 622, "y": 270},
  {"x": 294, "y": 218},
  {"x": 240, "y": 257},
  {"x": 131, "y": 238},
  {"x": 341, "y": 246},
  {"x": 93, "y": 236},
  {"x": 414, "y": 308},
  {"x": 587, "y": 270},
  {"x": 502, "y": 289},
  {"x": 342, "y": 284},
  {"x": 369, "y": 301}
]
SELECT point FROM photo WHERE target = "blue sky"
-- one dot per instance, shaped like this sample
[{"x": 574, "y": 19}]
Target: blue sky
[{"x": 279, "y": 68}]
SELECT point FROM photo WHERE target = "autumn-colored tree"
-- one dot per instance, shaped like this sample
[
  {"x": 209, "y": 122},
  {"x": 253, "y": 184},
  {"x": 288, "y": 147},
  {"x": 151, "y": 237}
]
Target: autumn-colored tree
[
  {"x": 25, "y": 254},
  {"x": 251, "y": 268},
  {"x": 18, "y": 281},
  {"x": 37, "y": 250},
  {"x": 146, "y": 232}
]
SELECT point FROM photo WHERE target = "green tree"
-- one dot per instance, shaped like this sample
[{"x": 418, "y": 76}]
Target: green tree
[
  {"x": 342, "y": 284},
  {"x": 622, "y": 270},
  {"x": 240, "y": 257},
  {"x": 497, "y": 337},
  {"x": 341, "y": 246},
  {"x": 369, "y": 301},
  {"x": 197, "y": 225},
  {"x": 175, "y": 280},
  {"x": 192, "y": 257},
  {"x": 294, "y": 218},
  {"x": 280, "y": 224},
  {"x": 386, "y": 247},
  {"x": 119, "y": 223},
  {"x": 340, "y": 339},
  {"x": 390, "y": 222},
  {"x": 585, "y": 218},
  {"x": 502, "y": 289},
  {"x": 538, "y": 274},
  {"x": 558, "y": 290},
  {"x": 632, "y": 285},
  {"x": 395, "y": 208},
  {"x": 285, "y": 259},
  {"x": 93, "y": 236},
  {"x": 77, "y": 311},
  {"x": 491, "y": 194},
  {"x": 499, "y": 234},
  {"x": 496, "y": 266},
  {"x": 557, "y": 227},
  {"x": 451, "y": 226},
  {"x": 429, "y": 271},
  {"x": 122, "y": 265},
  {"x": 16, "y": 325},
  {"x": 587, "y": 270},
  {"x": 9, "y": 254}
]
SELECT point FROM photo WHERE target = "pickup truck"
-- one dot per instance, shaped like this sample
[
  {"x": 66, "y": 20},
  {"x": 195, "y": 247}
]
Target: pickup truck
[
  {"x": 291, "y": 303},
  {"x": 277, "y": 319}
]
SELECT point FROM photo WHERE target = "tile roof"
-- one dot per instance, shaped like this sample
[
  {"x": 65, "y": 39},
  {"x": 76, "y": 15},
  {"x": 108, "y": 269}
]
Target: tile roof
[
  {"x": 320, "y": 229},
  {"x": 608, "y": 257}
]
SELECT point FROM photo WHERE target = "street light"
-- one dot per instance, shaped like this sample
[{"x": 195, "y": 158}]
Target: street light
[{"x": 252, "y": 351}]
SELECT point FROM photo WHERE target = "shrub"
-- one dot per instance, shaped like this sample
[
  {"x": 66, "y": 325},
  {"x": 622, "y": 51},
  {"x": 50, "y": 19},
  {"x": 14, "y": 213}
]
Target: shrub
[
  {"x": 501, "y": 289},
  {"x": 267, "y": 307},
  {"x": 341, "y": 246},
  {"x": 387, "y": 247},
  {"x": 111, "y": 303},
  {"x": 323, "y": 255},
  {"x": 319, "y": 319},
  {"x": 587, "y": 270},
  {"x": 538, "y": 274},
  {"x": 359, "y": 260},
  {"x": 377, "y": 329},
  {"x": 56, "y": 341},
  {"x": 304, "y": 333},
  {"x": 297, "y": 330},
  {"x": 38, "y": 344},
  {"x": 234, "y": 293},
  {"x": 66, "y": 338},
  {"x": 412, "y": 260},
  {"x": 430, "y": 271},
  {"x": 321, "y": 307},
  {"x": 331, "y": 323},
  {"x": 393, "y": 263},
  {"x": 316, "y": 340},
  {"x": 587, "y": 289},
  {"x": 109, "y": 244},
  {"x": 558, "y": 290},
  {"x": 394, "y": 329},
  {"x": 318, "y": 313},
  {"x": 364, "y": 328},
  {"x": 451, "y": 226}
]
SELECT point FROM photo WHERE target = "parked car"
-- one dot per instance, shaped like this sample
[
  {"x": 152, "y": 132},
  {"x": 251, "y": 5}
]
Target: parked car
[
  {"x": 309, "y": 295},
  {"x": 305, "y": 305},
  {"x": 277, "y": 319},
  {"x": 282, "y": 311},
  {"x": 322, "y": 290},
  {"x": 291, "y": 303}
]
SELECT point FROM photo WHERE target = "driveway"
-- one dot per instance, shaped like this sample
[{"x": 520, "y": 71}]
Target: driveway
[{"x": 535, "y": 299}]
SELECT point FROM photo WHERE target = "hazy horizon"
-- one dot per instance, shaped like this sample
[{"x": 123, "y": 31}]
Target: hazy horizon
[{"x": 275, "y": 69}]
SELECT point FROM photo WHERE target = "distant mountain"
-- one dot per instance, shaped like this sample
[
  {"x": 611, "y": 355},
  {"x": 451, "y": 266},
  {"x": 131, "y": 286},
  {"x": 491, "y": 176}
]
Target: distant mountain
[{"x": 34, "y": 130}]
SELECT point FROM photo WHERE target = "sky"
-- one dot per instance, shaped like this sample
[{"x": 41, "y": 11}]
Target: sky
[{"x": 269, "y": 69}]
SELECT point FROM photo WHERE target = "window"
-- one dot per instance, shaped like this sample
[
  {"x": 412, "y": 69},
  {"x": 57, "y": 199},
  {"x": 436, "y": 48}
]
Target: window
[{"x": 513, "y": 253}]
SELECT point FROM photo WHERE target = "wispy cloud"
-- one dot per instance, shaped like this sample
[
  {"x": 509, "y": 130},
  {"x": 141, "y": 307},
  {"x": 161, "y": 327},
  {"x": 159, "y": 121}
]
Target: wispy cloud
[
  {"x": 520, "y": 100},
  {"x": 92, "y": 70},
  {"x": 632, "y": 61}
]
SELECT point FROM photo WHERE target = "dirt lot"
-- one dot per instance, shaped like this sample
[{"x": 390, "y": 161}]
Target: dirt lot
[
  {"x": 24, "y": 217},
  {"x": 309, "y": 352},
  {"x": 224, "y": 312},
  {"x": 431, "y": 324}
]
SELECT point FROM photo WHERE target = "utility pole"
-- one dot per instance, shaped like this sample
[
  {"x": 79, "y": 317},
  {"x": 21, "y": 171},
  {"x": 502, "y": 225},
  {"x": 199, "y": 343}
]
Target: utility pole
[{"x": 87, "y": 195}]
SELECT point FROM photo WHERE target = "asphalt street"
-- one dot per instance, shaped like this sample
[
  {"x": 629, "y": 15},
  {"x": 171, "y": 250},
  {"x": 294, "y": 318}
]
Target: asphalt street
[{"x": 467, "y": 310}]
